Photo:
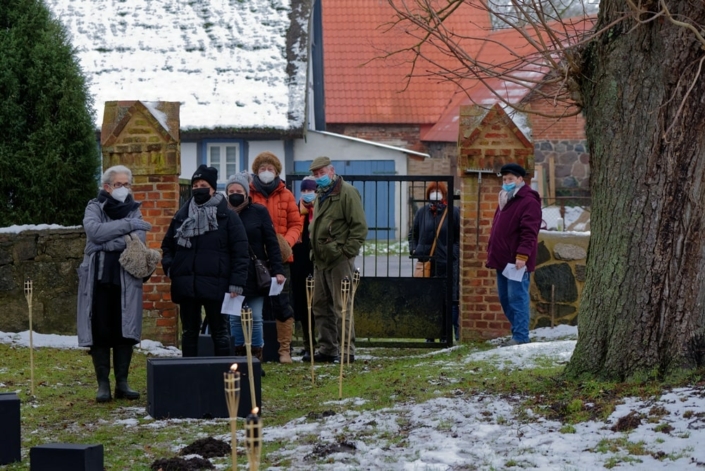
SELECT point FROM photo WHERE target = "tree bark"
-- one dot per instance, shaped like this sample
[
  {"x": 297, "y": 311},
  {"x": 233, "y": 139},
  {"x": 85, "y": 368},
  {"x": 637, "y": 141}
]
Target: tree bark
[{"x": 641, "y": 312}]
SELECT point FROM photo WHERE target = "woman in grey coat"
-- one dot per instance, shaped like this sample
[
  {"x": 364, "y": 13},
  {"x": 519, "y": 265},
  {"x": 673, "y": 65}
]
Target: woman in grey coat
[{"x": 110, "y": 299}]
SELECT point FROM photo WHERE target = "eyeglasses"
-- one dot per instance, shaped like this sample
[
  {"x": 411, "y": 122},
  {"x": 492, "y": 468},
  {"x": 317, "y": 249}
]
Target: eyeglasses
[{"x": 120, "y": 185}]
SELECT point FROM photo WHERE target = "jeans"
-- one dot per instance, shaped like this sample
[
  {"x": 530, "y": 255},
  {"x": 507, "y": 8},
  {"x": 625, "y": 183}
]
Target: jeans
[
  {"x": 238, "y": 337},
  {"x": 514, "y": 298}
]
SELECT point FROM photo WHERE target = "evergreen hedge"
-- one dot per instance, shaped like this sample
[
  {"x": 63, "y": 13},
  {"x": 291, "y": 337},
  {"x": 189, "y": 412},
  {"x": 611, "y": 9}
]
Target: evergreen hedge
[{"x": 49, "y": 158}]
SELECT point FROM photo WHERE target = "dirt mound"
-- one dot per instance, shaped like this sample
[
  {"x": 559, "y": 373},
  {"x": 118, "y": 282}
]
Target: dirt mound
[
  {"x": 180, "y": 464},
  {"x": 321, "y": 450},
  {"x": 207, "y": 447}
]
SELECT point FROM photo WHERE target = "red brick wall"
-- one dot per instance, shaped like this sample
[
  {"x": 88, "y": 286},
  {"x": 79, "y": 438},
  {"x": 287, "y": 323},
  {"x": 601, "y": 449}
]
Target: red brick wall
[
  {"x": 401, "y": 135},
  {"x": 131, "y": 136},
  {"x": 554, "y": 129},
  {"x": 487, "y": 140}
]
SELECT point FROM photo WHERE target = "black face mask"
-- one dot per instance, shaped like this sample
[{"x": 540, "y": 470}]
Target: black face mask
[
  {"x": 236, "y": 199},
  {"x": 201, "y": 195}
]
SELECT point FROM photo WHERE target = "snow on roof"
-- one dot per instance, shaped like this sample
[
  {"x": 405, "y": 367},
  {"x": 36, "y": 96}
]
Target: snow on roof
[{"x": 224, "y": 60}]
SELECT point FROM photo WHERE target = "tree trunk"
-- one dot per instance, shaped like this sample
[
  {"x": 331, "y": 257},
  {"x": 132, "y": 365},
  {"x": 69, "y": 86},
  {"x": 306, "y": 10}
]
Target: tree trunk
[{"x": 641, "y": 313}]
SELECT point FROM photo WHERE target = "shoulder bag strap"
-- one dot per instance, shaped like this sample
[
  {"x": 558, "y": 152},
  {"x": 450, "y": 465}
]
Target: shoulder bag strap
[{"x": 438, "y": 231}]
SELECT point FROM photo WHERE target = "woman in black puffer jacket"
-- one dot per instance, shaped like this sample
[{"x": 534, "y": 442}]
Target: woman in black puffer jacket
[
  {"x": 264, "y": 245},
  {"x": 205, "y": 255}
]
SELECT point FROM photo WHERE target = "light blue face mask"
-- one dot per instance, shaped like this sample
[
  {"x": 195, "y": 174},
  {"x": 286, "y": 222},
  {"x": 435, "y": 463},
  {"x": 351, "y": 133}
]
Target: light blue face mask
[
  {"x": 308, "y": 197},
  {"x": 323, "y": 181},
  {"x": 509, "y": 186}
]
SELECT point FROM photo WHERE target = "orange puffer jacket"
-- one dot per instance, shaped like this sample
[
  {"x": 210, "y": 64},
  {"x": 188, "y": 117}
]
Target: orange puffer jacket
[{"x": 284, "y": 212}]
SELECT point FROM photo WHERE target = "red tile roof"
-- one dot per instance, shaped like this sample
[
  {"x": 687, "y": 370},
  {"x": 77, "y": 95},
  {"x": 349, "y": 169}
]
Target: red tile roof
[{"x": 362, "y": 89}]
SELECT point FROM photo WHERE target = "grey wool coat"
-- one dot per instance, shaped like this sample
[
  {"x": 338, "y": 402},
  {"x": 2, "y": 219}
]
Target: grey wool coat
[{"x": 103, "y": 231}]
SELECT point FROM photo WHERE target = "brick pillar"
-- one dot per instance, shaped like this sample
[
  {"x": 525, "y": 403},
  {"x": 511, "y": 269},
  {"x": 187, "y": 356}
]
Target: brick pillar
[
  {"x": 145, "y": 138},
  {"x": 487, "y": 140}
]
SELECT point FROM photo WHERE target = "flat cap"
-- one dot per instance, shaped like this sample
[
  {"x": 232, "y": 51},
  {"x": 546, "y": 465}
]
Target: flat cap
[
  {"x": 516, "y": 169},
  {"x": 319, "y": 162}
]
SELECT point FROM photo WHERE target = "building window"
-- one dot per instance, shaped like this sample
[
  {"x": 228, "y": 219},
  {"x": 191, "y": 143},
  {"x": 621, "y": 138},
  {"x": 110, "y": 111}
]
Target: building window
[{"x": 224, "y": 157}]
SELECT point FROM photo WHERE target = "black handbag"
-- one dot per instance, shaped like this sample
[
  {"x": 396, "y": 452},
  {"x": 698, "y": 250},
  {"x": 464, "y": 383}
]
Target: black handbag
[{"x": 262, "y": 276}]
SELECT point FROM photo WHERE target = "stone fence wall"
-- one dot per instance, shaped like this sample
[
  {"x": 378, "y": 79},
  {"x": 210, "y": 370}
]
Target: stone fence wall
[
  {"x": 558, "y": 281},
  {"x": 50, "y": 259}
]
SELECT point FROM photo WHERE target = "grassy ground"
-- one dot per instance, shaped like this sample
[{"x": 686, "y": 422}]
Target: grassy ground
[{"x": 64, "y": 410}]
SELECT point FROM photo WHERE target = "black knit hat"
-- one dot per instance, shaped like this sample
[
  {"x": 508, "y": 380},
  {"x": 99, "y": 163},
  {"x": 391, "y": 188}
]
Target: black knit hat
[
  {"x": 209, "y": 174},
  {"x": 516, "y": 169}
]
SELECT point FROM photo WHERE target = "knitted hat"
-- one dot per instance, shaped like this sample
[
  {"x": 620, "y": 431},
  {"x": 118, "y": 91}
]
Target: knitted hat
[
  {"x": 308, "y": 183},
  {"x": 209, "y": 174},
  {"x": 319, "y": 162},
  {"x": 266, "y": 158},
  {"x": 516, "y": 169},
  {"x": 242, "y": 179},
  {"x": 437, "y": 186}
]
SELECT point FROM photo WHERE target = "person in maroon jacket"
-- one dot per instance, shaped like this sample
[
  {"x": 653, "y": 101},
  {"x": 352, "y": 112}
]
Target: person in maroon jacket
[{"x": 513, "y": 240}]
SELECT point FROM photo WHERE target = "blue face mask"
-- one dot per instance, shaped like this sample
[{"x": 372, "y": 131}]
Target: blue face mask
[
  {"x": 308, "y": 197},
  {"x": 509, "y": 186},
  {"x": 323, "y": 181}
]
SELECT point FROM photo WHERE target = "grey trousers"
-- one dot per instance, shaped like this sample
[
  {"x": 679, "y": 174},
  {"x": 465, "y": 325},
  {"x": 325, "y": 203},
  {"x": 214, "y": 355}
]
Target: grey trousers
[{"x": 327, "y": 307}]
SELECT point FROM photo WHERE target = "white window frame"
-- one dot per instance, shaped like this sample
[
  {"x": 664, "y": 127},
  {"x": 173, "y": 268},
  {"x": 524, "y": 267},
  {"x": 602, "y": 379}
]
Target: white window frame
[{"x": 222, "y": 165}]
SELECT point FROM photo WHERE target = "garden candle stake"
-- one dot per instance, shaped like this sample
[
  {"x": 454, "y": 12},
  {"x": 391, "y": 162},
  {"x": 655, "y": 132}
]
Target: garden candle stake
[
  {"x": 253, "y": 439},
  {"x": 344, "y": 294},
  {"x": 309, "y": 299},
  {"x": 232, "y": 398},
  {"x": 28, "y": 296},
  {"x": 246, "y": 319},
  {"x": 355, "y": 283}
]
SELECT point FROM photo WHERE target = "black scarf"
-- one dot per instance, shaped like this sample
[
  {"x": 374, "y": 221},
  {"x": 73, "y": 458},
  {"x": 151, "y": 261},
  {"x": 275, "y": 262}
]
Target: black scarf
[
  {"x": 266, "y": 188},
  {"x": 114, "y": 208}
]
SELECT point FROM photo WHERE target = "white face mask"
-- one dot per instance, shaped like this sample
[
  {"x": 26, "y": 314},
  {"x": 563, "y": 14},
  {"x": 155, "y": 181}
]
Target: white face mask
[
  {"x": 266, "y": 176},
  {"x": 120, "y": 194},
  {"x": 436, "y": 196}
]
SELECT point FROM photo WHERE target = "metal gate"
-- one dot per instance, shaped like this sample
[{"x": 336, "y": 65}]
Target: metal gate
[{"x": 392, "y": 307}]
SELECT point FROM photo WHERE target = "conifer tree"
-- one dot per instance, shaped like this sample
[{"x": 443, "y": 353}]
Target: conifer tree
[{"x": 48, "y": 149}]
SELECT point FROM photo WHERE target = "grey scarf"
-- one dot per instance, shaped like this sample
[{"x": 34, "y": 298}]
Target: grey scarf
[
  {"x": 200, "y": 220},
  {"x": 505, "y": 196}
]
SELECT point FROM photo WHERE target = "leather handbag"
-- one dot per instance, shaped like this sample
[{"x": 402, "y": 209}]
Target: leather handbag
[
  {"x": 138, "y": 260},
  {"x": 423, "y": 269},
  {"x": 262, "y": 276}
]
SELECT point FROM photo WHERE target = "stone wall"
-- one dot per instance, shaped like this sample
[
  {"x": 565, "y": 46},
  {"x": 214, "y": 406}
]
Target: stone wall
[
  {"x": 50, "y": 259},
  {"x": 572, "y": 164},
  {"x": 560, "y": 264}
]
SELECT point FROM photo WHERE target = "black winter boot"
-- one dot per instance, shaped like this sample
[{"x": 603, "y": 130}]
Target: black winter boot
[
  {"x": 122, "y": 356},
  {"x": 101, "y": 363}
]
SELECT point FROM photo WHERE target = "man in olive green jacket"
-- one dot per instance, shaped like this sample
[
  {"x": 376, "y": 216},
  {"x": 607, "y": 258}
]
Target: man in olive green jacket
[{"x": 338, "y": 230}]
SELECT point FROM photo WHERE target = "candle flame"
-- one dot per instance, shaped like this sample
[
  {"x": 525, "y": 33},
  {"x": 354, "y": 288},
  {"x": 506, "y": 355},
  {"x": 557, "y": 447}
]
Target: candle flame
[
  {"x": 255, "y": 411},
  {"x": 233, "y": 367}
]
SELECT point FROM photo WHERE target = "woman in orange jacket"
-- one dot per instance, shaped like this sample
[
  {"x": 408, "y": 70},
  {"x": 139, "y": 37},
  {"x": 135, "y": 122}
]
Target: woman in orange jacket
[{"x": 269, "y": 190}]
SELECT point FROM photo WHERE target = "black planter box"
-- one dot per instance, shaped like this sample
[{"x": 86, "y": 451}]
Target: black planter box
[
  {"x": 193, "y": 387},
  {"x": 66, "y": 457},
  {"x": 10, "y": 432}
]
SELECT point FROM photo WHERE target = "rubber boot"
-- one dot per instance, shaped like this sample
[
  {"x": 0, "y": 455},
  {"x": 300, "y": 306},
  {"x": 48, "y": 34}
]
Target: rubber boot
[
  {"x": 101, "y": 363},
  {"x": 285, "y": 330},
  {"x": 257, "y": 353},
  {"x": 122, "y": 356}
]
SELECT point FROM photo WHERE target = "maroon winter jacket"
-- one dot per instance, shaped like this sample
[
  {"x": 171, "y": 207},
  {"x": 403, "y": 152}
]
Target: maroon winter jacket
[{"x": 515, "y": 230}]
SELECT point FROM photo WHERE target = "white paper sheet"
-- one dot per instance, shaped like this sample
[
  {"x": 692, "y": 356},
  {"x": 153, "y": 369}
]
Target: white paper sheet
[
  {"x": 276, "y": 288},
  {"x": 232, "y": 306},
  {"x": 511, "y": 272}
]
